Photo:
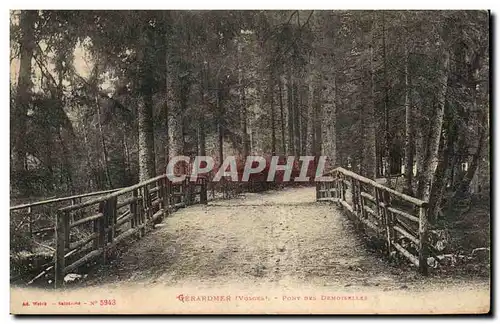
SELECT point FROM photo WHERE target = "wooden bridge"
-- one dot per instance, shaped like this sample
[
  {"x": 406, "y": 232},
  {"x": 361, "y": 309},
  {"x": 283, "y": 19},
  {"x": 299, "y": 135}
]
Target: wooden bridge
[{"x": 87, "y": 228}]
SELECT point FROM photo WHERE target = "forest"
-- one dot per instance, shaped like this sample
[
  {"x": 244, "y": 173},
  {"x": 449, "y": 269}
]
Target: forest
[{"x": 103, "y": 99}]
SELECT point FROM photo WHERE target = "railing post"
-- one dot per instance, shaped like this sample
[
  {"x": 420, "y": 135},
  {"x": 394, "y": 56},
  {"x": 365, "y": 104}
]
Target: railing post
[
  {"x": 362, "y": 202},
  {"x": 112, "y": 215},
  {"x": 133, "y": 210},
  {"x": 387, "y": 221},
  {"x": 140, "y": 211},
  {"x": 342, "y": 188},
  {"x": 59, "y": 262},
  {"x": 423, "y": 232},
  {"x": 203, "y": 191},
  {"x": 144, "y": 210},
  {"x": 188, "y": 199},
  {"x": 354, "y": 197},
  {"x": 101, "y": 229},
  {"x": 147, "y": 205},
  {"x": 66, "y": 220},
  {"x": 168, "y": 193},
  {"x": 164, "y": 196}
]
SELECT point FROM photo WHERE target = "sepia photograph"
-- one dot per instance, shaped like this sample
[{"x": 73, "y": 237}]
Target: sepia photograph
[{"x": 250, "y": 162}]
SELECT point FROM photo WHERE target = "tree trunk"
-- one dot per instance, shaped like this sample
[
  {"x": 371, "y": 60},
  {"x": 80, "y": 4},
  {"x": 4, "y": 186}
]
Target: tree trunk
[
  {"x": 175, "y": 134},
  {"x": 388, "y": 144},
  {"x": 310, "y": 140},
  {"x": 304, "y": 117},
  {"x": 146, "y": 138},
  {"x": 465, "y": 183},
  {"x": 244, "y": 124},
  {"x": 431, "y": 159},
  {"x": 273, "y": 123},
  {"x": 371, "y": 156},
  {"x": 318, "y": 132},
  {"x": 409, "y": 136},
  {"x": 328, "y": 117},
  {"x": 444, "y": 168},
  {"x": 282, "y": 114},
  {"x": 23, "y": 96},
  {"x": 291, "y": 132},
  {"x": 67, "y": 164},
  {"x": 202, "y": 150},
  {"x": 220, "y": 129},
  {"x": 296, "y": 119}
]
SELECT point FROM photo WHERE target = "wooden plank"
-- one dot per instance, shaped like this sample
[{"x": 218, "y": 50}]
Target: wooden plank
[
  {"x": 407, "y": 254},
  {"x": 154, "y": 190},
  {"x": 181, "y": 204},
  {"x": 123, "y": 219},
  {"x": 125, "y": 234},
  {"x": 157, "y": 214},
  {"x": 346, "y": 205},
  {"x": 402, "y": 213},
  {"x": 85, "y": 259},
  {"x": 82, "y": 242},
  {"x": 328, "y": 199},
  {"x": 368, "y": 196},
  {"x": 328, "y": 190},
  {"x": 371, "y": 212},
  {"x": 406, "y": 234},
  {"x": 126, "y": 202},
  {"x": 370, "y": 224},
  {"x": 124, "y": 214},
  {"x": 86, "y": 219}
]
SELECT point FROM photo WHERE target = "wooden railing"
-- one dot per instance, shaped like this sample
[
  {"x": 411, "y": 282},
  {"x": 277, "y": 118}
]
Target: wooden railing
[
  {"x": 29, "y": 218},
  {"x": 111, "y": 219},
  {"x": 88, "y": 230},
  {"x": 391, "y": 216}
]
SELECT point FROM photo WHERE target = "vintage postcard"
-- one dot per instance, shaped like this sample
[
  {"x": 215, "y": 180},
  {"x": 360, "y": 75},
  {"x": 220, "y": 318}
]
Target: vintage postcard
[{"x": 250, "y": 162}]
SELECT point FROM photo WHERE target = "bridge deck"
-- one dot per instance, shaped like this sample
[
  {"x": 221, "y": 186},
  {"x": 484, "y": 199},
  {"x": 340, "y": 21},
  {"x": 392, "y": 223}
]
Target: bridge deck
[
  {"x": 283, "y": 238},
  {"x": 278, "y": 244}
]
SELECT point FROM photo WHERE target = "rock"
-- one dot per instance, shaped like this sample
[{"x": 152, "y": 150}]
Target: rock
[
  {"x": 70, "y": 277},
  {"x": 447, "y": 259},
  {"x": 481, "y": 254},
  {"x": 432, "y": 262},
  {"x": 403, "y": 287}
]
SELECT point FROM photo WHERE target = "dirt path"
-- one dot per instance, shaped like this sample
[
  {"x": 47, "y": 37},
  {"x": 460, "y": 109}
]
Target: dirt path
[{"x": 276, "y": 244}]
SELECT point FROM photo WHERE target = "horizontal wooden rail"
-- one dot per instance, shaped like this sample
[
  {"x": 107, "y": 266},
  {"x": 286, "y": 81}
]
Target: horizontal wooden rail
[
  {"x": 63, "y": 199},
  {"x": 413, "y": 200},
  {"x": 381, "y": 210}
]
